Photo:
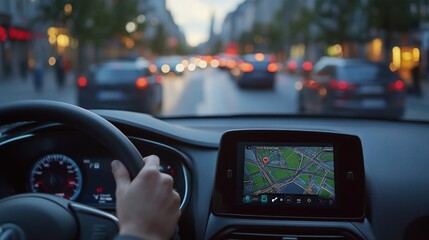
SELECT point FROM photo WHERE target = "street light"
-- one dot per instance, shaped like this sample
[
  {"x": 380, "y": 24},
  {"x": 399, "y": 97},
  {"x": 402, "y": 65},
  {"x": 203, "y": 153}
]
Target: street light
[
  {"x": 130, "y": 27},
  {"x": 141, "y": 18},
  {"x": 63, "y": 40},
  {"x": 52, "y": 61},
  {"x": 68, "y": 9}
]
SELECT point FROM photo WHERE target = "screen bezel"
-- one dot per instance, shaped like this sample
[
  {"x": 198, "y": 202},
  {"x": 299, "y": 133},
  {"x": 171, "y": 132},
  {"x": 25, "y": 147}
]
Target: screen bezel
[{"x": 350, "y": 194}]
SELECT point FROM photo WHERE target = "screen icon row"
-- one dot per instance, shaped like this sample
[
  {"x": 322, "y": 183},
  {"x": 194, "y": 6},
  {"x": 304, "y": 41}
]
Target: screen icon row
[{"x": 288, "y": 199}]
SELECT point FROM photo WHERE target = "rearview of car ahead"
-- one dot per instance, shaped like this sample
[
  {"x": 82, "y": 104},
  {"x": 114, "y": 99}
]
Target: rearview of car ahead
[
  {"x": 126, "y": 85},
  {"x": 350, "y": 86},
  {"x": 255, "y": 70}
]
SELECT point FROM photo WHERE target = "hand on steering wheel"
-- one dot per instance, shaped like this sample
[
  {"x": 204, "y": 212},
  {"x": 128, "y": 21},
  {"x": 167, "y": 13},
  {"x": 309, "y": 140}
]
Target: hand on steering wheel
[
  {"x": 151, "y": 192},
  {"x": 147, "y": 207}
]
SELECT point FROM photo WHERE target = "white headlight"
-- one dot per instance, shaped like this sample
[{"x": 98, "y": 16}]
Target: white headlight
[
  {"x": 165, "y": 68},
  {"x": 180, "y": 68}
]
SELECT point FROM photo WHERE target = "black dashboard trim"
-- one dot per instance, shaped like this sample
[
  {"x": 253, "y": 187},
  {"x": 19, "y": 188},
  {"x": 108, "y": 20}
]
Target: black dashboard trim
[
  {"x": 161, "y": 128},
  {"x": 217, "y": 224},
  {"x": 17, "y": 138}
]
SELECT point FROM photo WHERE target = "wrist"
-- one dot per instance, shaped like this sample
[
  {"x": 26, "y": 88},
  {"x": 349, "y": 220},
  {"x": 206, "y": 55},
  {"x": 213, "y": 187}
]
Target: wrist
[
  {"x": 139, "y": 233},
  {"x": 127, "y": 237}
]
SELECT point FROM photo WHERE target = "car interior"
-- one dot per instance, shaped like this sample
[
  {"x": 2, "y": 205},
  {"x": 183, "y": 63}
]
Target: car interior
[
  {"x": 387, "y": 159},
  {"x": 247, "y": 162}
]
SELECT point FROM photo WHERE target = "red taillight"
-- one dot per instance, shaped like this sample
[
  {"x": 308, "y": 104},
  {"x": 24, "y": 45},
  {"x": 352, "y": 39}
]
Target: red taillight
[
  {"x": 222, "y": 63},
  {"x": 307, "y": 66},
  {"x": 141, "y": 83},
  {"x": 246, "y": 67},
  {"x": 292, "y": 65},
  {"x": 310, "y": 83},
  {"x": 272, "y": 67},
  {"x": 82, "y": 82},
  {"x": 158, "y": 79},
  {"x": 153, "y": 68},
  {"x": 397, "y": 86},
  {"x": 341, "y": 85},
  {"x": 231, "y": 64}
]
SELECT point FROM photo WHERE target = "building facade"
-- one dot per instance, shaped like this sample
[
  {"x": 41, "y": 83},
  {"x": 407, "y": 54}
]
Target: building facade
[{"x": 17, "y": 36}]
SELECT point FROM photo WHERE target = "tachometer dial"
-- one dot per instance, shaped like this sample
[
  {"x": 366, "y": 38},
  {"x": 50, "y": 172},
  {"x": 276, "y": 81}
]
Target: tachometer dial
[{"x": 56, "y": 174}]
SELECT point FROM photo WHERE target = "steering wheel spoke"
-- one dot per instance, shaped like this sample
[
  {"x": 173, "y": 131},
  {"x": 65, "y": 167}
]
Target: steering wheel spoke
[{"x": 93, "y": 223}]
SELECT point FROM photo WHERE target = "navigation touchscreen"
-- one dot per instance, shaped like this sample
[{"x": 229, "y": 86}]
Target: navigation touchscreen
[
  {"x": 289, "y": 174},
  {"x": 285, "y": 175}
]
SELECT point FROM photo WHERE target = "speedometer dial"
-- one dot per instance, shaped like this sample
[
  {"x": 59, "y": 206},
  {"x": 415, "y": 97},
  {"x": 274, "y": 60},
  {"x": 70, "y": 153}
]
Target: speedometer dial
[{"x": 56, "y": 174}]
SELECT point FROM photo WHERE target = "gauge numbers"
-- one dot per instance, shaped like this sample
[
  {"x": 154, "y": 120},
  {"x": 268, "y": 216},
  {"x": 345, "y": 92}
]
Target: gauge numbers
[{"x": 56, "y": 174}]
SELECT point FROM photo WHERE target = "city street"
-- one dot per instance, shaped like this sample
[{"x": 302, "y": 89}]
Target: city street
[
  {"x": 213, "y": 92},
  {"x": 203, "y": 92}
]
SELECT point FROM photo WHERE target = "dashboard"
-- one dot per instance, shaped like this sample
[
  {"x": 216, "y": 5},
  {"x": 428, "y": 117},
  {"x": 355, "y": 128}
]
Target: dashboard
[
  {"x": 393, "y": 153},
  {"x": 59, "y": 161}
]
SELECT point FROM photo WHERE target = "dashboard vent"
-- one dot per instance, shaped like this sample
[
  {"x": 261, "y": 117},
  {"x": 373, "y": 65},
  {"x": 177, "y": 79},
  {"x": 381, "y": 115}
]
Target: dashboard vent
[{"x": 277, "y": 233}]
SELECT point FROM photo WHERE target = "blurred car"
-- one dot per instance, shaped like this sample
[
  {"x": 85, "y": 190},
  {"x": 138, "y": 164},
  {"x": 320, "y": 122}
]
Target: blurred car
[
  {"x": 255, "y": 70},
  {"x": 298, "y": 66},
  {"x": 170, "y": 64},
  {"x": 352, "y": 86},
  {"x": 126, "y": 85}
]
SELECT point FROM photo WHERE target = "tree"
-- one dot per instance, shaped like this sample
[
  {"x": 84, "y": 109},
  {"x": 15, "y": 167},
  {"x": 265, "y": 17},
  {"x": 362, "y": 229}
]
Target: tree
[
  {"x": 182, "y": 48},
  {"x": 397, "y": 17},
  {"x": 337, "y": 20},
  {"x": 275, "y": 38},
  {"x": 393, "y": 19},
  {"x": 217, "y": 46},
  {"x": 90, "y": 20},
  {"x": 300, "y": 29},
  {"x": 258, "y": 38},
  {"x": 159, "y": 42},
  {"x": 292, "y": 24},
  {"x": 94, "y": 21}
]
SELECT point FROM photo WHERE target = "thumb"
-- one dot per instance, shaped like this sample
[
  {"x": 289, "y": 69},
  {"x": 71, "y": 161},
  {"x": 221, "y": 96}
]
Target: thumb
[{"x": 121, "y": 175}]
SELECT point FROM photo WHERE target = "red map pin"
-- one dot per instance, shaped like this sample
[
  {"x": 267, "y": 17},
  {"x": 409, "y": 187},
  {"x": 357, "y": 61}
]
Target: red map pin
[{"x": 265, "y": 160}]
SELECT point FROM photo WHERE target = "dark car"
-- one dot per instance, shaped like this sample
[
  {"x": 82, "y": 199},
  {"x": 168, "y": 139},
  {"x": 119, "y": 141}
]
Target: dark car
[
  {"x": 352, "y": 87},
  {"x": 255, "y": 70},
  {"x": 127, "y": 85}
]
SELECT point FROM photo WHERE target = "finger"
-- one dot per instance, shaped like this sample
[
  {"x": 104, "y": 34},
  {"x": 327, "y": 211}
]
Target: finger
[
  {"x": 151, "y": 161},
  {"x": 167, "y": 180},
  {"x": 176, "y": 205},
  {"x": 121, "y": 175},
  {"x": 176, "y": 198}
]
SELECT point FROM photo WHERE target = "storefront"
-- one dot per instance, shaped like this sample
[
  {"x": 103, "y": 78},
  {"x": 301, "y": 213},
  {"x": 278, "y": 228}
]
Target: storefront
[{"x": 14, "y": 48}]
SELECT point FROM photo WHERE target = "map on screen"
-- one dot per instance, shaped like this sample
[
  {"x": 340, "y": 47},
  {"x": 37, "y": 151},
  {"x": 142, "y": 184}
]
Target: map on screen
[{"x": 292, "y": 170}]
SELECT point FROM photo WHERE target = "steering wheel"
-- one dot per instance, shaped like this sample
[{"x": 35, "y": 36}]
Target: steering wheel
[{"x": 43, "y": 216}]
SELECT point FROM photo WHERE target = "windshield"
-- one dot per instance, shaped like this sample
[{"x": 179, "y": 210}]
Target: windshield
[{"x": 225, "y": 57}]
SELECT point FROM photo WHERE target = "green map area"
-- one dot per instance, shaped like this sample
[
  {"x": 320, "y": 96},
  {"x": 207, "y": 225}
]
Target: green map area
[{"x": 289, "y": 170}]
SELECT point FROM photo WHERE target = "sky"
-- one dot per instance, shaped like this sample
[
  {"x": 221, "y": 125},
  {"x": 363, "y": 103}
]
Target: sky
[{"x": 194, "y": 16}]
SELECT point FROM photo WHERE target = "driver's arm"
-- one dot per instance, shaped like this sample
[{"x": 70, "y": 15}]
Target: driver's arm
[{"x": 147, "y": 207}]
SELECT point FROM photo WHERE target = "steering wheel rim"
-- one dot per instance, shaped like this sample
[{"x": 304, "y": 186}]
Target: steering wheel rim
[
  {"x": 65, "y": 218},
  {"x": 81, "y": 119}
]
